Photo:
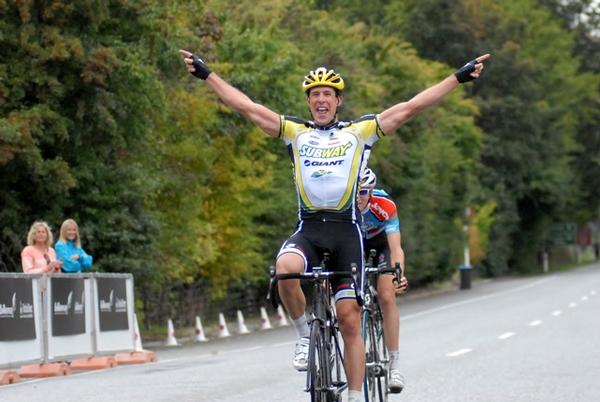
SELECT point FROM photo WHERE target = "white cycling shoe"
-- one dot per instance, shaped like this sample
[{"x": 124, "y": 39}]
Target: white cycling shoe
[
  {"x": 300, "y": 361},
  {"x": 396, "y": 381}
]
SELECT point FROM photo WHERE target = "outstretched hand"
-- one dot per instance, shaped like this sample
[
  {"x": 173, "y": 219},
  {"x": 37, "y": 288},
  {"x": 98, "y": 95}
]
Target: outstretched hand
[
  {"x": 472, "y": 69},
  {"x": 195, "y": 65}
]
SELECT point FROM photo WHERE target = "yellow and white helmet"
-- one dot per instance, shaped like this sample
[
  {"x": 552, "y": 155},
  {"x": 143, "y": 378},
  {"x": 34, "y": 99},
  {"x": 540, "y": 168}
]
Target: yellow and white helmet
[{"x": 323, "y": 77}]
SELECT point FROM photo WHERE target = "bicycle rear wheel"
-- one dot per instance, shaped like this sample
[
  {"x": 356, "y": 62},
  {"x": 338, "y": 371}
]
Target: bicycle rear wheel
[{"x": 319, "y": 368}]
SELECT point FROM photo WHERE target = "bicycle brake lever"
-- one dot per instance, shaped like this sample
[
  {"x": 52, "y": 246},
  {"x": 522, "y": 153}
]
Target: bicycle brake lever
[
  {"x": 359, "y": 298},
  {"x": 397, "y": 274},
  {"x": 271, "y": 294}
]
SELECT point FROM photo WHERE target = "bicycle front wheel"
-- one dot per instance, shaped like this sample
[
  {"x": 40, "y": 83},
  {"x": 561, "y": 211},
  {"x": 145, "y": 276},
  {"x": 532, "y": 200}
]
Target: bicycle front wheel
[
  {"x": 319, "y": 369},
  {"x": 383, "y": 355},
  {"x": 375, "y": 384}
]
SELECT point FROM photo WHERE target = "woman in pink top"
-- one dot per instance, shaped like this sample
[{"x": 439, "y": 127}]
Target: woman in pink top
[{"x": 39, "y": 256}]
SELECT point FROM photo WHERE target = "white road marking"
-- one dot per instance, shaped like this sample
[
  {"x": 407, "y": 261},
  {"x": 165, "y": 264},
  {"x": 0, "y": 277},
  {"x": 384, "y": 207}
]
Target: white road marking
[
  {"x": 459, "y": 352},
  {"x": 475, "y": 300},
  {"x": 535, "y": 323},
  {"x": 584, "y": 298},
  {"x": 593, "y": 292},
  {"x": 506, "y": 335},
  {"x": 249, "y": 349},
  {"x": 556, "y": 313},
  {"x": 241, "y": 350},
  {"x": 572, "y": 304}
]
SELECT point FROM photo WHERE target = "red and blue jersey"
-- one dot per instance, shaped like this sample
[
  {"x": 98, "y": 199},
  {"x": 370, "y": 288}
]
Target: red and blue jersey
[{"x": 381, "y": 216}]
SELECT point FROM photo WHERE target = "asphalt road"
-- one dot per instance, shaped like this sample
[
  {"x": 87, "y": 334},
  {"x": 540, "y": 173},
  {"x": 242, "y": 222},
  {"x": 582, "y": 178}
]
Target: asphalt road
[{"x": 525, "y": 339}]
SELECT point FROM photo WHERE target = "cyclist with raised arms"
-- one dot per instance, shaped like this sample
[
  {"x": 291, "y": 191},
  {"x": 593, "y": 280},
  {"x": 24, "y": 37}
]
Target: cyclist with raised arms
[
  {"x": 381, "y": 232},
  {"x": 326, "y": 156}
]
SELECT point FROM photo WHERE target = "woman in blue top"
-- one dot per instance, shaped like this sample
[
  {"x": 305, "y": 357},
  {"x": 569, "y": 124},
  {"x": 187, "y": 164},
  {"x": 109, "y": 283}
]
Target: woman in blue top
[{"x": 69, "y": 251}]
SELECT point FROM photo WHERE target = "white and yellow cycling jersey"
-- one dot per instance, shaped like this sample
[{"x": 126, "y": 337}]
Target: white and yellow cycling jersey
[{"x": 327, "y": 161}]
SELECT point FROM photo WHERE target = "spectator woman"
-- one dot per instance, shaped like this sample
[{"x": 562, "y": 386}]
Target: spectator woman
[
  {"x": 69, "y": 251},
  {"x": 38, "y": 256}
]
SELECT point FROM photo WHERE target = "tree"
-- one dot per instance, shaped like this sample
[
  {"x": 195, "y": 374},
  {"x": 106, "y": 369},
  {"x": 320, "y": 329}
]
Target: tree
[
  {"x": 76, "y": 106},
  {"x": 533, "y": 102}
]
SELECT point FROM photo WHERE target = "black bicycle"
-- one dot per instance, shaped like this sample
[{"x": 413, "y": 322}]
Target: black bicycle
[
  {"x": 324, "y": 380},
  {"x": 377, "y": 356}
]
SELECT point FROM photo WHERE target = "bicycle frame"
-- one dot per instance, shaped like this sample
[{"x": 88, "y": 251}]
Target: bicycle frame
[
  {"x": 377, "y": 358},
  {"x": 324, "y": 381}
]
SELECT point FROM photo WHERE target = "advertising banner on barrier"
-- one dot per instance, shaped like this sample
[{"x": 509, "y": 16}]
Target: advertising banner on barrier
[
  {"x": 68, "y": 306},
  {"x": 112, "y": 302},
  {"x": 17, "y": 321},
  {"x": 70, "y": 316}
]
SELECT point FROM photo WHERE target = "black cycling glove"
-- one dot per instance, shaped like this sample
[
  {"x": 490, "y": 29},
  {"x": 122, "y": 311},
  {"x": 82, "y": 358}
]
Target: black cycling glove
[
  {"x": 464, "y": 73},
  {"x": 201, "y": 70}
]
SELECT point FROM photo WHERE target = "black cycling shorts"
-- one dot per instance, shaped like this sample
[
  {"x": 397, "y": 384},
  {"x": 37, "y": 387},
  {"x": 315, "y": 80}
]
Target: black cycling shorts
[
  {"x": 381, "y": 246},
  {"x": 343, "y": 242}
]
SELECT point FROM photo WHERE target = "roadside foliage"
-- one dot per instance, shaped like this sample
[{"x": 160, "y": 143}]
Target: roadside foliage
[{"x": 101, "y": 122}]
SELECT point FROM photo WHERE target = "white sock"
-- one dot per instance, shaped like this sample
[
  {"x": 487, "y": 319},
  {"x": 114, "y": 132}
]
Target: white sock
[
  {"x": 301, "y": 325},
  {"x": 354, "y": 396},
  {"x": 394, "y": 359}
]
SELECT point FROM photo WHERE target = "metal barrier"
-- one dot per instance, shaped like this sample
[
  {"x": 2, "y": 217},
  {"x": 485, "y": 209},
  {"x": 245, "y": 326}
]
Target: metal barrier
[
  {"x": 21, "y": 338},
  {"x": 68, "y": 316},
  {"x": 114, "y": 307},
  {"x": 46, "y": 318}
]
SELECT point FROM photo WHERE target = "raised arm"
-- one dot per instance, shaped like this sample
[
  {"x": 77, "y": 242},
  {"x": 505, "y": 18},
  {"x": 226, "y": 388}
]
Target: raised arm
[
  {"x": 391, "y": 119},
  {"x": 260, "y": 115}
]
